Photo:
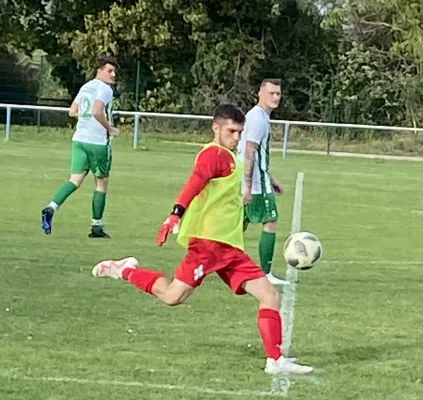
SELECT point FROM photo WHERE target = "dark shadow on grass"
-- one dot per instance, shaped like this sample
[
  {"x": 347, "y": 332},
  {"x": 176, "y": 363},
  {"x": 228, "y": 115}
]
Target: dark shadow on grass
[{"x": 383, "y": 352}]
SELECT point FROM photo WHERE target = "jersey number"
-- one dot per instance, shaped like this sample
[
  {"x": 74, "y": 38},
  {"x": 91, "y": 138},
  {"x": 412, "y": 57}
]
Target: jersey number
[{"x": 85, "y": 108}]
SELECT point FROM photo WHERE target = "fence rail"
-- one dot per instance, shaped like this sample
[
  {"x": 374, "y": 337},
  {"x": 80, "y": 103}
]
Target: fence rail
[{"x": 138, "y": 114}]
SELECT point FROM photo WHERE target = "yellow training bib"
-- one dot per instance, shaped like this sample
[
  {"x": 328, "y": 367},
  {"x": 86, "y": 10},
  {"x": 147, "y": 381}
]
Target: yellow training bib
[{"x": 217, "y": 212}]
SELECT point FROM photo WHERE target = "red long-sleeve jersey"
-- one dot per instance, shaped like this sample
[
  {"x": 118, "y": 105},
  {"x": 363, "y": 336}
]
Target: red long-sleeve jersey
[{"x": 213, "y": 162}]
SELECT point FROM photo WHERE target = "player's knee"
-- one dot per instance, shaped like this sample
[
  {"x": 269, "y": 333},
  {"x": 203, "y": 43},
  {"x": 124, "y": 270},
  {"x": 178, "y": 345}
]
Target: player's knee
[
  {"x": 173, "y": 300},
  {"x": 271, "y": 226},
  {"x": 77, "y": 179},
  {"x": 277, "y": 298},
  {"x": 101, "y": 184},
  {"x": 175, "y": 296},
  {"x": 272, "y": 298}
]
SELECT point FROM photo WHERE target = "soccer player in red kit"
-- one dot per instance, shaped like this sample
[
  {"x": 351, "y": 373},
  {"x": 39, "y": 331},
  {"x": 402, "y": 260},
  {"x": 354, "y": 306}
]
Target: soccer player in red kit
[{"x": 208, "y": 216}]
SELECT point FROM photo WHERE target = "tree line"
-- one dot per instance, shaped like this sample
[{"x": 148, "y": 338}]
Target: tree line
[{"x": 352, "y": 61}]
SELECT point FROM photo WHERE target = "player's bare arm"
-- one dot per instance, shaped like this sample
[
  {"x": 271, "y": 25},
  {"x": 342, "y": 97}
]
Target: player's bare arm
[
  {"x": 277, "y": 187},
  {"x": 100, "y": 115},
  {"x": 250, "y": 151},
  {"x": 73, "y": 111}
]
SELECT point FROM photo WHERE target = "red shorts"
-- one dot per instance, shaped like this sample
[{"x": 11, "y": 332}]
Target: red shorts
[{"x": 204, "y": 257}]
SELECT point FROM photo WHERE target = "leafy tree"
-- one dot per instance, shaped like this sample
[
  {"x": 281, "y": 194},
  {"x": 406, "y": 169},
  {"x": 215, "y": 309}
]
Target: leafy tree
[
  {"x": 380, "y": 60},
  {"x": 194, "y": 53},
  {"x": 350, "y": 60}
]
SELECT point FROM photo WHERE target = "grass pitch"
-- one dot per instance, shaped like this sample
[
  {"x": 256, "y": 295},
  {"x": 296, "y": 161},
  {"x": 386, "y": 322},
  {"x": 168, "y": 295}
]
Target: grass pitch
[{"x": 65, "y": 335}]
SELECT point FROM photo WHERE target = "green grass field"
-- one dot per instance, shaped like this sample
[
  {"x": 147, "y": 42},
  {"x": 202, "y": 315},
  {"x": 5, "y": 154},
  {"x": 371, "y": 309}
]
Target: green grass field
[{"x": 66, "y": 336}]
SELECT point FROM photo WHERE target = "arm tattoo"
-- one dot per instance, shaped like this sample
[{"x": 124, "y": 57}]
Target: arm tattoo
[{"x": 250, "y": 152}]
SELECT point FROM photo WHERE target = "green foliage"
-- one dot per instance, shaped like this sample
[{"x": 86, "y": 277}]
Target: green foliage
[
  {"x": 47, "y": 21},
  {"x": 48, "y": 86},
  {"x": 350, "y": 61},
  {"x": 380, "y": 61},
  {"x": 18, "y": 81},
  {"x": 196, "y": 53}
]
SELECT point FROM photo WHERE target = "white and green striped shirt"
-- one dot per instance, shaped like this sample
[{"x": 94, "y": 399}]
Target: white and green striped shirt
[
  {"x": 88, "y": 129},
  {"x": 257, "y": 130}
]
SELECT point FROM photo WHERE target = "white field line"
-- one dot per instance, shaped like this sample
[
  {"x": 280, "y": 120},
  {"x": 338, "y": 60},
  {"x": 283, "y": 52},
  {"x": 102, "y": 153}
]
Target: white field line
[
  {"x": 145, "y": 385},
  {"x": 11, "y": 375},
  {"x": 282, "y": 384},
  {"x": 324, "y": 153},
  {"x": 288, "y": 303}
]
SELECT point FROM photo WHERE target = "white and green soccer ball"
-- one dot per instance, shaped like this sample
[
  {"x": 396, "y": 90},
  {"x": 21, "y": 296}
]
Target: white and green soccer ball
[{"x": 302, "y": 250}]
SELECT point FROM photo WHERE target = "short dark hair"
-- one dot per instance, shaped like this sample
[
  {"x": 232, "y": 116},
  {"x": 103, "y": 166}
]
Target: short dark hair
[
  {"x": 229, "y": 111},
  {"x": 105, "y": 59},
  {"x": 273, "y": 81}
]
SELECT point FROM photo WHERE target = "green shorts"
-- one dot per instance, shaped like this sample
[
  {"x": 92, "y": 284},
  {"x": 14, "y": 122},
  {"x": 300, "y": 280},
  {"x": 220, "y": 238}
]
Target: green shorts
[
  {"x": 262, "y": 209},
  {"x": 96, "y": 158}
]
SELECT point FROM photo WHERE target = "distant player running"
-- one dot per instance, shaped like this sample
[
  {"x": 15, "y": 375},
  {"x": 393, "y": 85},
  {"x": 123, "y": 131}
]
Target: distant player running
[
  {"x": 212, "y": 230},
  {"x": 91, "y": 148},
  {"x": 259, "y": 186}
]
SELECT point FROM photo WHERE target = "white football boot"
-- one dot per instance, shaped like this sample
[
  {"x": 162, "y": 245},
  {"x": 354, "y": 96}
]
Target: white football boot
[
  {"x": 285, "y": 365},
  {"x": 114, "y": 268},
  {"x": 276, "y": 281}
]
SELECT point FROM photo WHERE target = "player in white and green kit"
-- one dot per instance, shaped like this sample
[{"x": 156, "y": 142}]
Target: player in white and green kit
[
  {"x": 259, "y": 186},
  {"x": 91, "y": 150}
]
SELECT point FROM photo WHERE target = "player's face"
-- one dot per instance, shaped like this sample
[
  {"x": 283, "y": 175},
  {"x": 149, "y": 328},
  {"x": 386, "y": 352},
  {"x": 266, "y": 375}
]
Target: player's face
[
  {"x": 228, "y": 133},
  {"x": 107, "y": 74},
  {"x": 270, "y": 96}
]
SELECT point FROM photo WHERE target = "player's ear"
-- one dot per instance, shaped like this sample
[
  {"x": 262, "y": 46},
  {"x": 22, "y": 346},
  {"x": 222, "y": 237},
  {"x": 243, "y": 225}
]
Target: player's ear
[{"x": 215, "y": 128}]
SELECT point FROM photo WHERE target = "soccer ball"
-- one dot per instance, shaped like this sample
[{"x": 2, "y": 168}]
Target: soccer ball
[{"x": 302, "y": 250}]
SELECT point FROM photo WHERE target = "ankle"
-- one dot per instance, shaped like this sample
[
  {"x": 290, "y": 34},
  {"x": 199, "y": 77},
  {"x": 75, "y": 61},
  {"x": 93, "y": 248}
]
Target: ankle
[{"x": 126, "y": 273}]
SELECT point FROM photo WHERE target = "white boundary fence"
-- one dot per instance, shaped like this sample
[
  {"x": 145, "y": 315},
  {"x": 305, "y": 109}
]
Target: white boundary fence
[{"x": 138, "y": 114}]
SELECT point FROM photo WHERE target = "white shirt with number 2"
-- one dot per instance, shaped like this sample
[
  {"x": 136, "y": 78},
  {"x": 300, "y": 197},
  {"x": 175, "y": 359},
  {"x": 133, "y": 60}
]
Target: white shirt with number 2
[{"x": 88, "y": 129}]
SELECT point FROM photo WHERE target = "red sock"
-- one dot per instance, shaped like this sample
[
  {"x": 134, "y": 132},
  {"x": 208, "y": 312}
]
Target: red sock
[
  {"x": 143, "y": 279},
  {"x": 270, "y": 326}
]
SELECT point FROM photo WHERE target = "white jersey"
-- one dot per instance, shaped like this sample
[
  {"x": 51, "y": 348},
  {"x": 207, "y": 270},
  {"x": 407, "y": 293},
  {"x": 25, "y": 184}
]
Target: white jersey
[
  {"x": 257, "y": 130},
  {"x": 88, "y": 129}
]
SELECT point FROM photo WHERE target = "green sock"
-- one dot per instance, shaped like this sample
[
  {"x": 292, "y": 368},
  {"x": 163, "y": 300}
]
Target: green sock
[
  {"x": 99, "y": 203},
  {"x": 266, "y": 250},
  {"x": 64, "y": 192}
]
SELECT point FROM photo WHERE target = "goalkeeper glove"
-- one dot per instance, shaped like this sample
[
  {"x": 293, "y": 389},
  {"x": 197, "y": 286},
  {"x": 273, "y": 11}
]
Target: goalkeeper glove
[{"x": 171, "y": 224}]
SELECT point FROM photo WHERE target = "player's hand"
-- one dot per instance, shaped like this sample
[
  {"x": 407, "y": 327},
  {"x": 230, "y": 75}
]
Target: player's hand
[
  {"x": 277, "y": 187},
  {"x": 171, "y": 225},
  {"x": 114, "y": 131},
  {"x": 247, "y": 197}
]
